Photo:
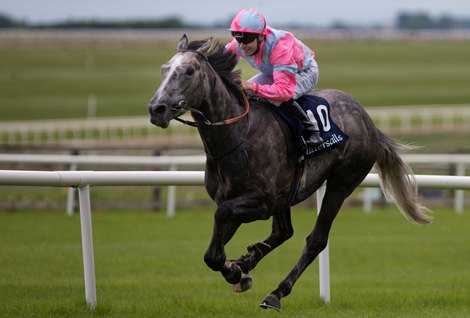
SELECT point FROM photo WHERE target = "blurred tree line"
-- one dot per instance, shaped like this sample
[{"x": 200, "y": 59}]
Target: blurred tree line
[
  {"x": 7, "y": 22},
  {"x": 404, "y": 20},
  {"x": 169, "y": 22},
  {"x": 416, "y": 21}
]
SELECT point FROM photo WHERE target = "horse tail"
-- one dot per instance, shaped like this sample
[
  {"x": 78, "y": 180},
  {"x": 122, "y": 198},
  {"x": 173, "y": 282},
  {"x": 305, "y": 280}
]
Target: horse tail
[{"x": 397, "y": 180}]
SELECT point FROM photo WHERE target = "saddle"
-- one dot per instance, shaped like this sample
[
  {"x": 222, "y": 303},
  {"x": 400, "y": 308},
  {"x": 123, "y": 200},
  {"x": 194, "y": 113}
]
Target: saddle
[{"x": 318, "y": 110}]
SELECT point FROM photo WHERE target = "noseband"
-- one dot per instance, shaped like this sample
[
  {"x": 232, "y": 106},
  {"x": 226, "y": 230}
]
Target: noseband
[{"x": 183, "y": 106}]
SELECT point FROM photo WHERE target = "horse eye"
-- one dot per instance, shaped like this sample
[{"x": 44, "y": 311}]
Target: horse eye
[{"x": 190, "y": 70}]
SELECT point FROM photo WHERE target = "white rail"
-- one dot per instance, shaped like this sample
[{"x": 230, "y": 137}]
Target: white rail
[
  {"x": 84, "y": 179},
  {"x": 396, "y": 119},
  {"x": 104, "y": 129},
  {"x": 145, "y": 178},
  {"x": 170, "y": 162},
  {"x": 421, "y": 118},
  {"x": 83, "y": 160},
  {"x": 177, "y": 162},
  {"x": 156, "y": 161}
]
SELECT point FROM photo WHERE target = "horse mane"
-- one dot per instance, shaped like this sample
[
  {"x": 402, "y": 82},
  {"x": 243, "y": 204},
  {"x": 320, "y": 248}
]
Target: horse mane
[{"x": 223, "y": 62}]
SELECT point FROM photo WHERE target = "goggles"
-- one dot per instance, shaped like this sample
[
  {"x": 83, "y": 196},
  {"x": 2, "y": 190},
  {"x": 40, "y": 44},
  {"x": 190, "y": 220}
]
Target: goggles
[{"x": 244, "y": 38}]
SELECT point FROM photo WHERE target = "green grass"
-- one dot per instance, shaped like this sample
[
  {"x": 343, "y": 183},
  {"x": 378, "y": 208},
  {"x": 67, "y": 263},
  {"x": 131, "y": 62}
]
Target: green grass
[
  {"x": 55, "y": 82},
  {"x": 396, "y": 72},
  {"x": 49, "y": 83},
  {"x": 150, "y": 266}
]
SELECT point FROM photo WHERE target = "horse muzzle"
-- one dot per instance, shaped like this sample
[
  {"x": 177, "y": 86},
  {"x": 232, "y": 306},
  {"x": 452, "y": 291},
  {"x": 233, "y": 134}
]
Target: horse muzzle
[{"x": 161, "y": 113}]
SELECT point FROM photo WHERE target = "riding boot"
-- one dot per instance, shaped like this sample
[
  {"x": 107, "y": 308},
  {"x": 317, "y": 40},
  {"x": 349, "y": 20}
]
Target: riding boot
[{"x": 311, "y": 134}]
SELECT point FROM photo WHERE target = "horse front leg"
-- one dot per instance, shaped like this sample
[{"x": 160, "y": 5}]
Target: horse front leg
[
  {"x": 215, "y": 258},
  {"x": 282, "y": 230},
  {"x": 227, "y": 219}
]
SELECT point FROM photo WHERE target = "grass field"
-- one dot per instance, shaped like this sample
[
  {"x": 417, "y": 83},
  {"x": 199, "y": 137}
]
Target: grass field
[
  {"x": 51, "y": 82},
  {"x": 54, "y": 82},
  {"x": 150, "y": 266}
]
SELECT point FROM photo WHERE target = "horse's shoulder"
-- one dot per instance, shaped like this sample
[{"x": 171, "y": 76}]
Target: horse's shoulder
[
  {"x": 263, "y": 109},
  {"x": 273, "y": 116},
  {"x": 266, "y": 115}
]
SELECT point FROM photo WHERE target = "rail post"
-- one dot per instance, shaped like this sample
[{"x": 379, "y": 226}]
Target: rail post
[
  {"x": 459, "y": 200},
  {"x": 324, "y": 259},
  {"x": 171, "y": 198},
  {"x": 87, "y": 246}
]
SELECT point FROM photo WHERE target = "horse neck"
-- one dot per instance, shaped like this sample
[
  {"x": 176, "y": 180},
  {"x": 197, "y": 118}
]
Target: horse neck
[{"x": 220, "y": 105}]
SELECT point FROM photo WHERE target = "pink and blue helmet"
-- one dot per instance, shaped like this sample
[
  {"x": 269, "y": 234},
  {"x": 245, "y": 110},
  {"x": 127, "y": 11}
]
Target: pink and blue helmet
[{"x": 248, "y": 21}]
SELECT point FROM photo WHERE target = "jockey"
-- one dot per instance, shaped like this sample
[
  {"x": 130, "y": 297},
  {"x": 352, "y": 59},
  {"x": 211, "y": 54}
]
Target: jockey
[{"x": 287, "y": 67}]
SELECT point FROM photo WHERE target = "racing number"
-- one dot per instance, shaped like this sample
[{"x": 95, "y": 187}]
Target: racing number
[{"x": 322, "y": 112}]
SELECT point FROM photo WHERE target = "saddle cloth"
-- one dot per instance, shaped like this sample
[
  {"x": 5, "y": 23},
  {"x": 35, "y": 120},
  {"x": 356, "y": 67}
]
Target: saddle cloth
[{"x": 318, "y": 110}]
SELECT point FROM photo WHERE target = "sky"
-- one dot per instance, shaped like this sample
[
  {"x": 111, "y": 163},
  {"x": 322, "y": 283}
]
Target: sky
[{"x": 310, "y": 12}]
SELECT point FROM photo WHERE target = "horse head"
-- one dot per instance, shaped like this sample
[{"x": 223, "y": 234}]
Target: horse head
[{"x": 184, "y": 79}]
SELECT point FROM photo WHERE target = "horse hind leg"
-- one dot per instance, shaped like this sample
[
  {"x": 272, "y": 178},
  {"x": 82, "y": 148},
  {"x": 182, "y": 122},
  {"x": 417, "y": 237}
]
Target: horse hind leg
[
  {"x": 282, "y": 230},
  {"x": 340, "y": 184},
  {"x": 335, "y": 195}
]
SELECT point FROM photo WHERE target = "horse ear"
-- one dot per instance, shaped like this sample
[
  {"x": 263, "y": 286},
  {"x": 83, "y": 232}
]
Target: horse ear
[
  {"x": 205, "y": 46},
  {"x": 183, "y": 43}
]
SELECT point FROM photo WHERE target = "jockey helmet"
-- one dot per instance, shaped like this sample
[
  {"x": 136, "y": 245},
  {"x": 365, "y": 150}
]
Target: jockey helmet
[{"x": 248, "y": 21}]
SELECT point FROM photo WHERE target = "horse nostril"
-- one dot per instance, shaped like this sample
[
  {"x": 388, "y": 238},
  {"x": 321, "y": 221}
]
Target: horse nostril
[{"x": 159, "y": 109}]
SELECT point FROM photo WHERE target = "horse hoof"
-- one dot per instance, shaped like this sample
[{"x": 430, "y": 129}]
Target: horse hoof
[
  {"x": 271, "y": 302},
  {"x": 232, "y": 273},
  {"x": 245, "y": 283}
]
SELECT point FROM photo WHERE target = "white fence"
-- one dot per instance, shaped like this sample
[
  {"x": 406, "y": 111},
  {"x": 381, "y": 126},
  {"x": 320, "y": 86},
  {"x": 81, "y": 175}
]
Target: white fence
[
  {"x": 396, "y": 119},
  {"x": 103, "y": 129},
  {"x": 460, "y": 161},
  {"x": 84, "y": 179},
  {"x": 173, "y": 163},
  {"x": 421, "y": 118}
]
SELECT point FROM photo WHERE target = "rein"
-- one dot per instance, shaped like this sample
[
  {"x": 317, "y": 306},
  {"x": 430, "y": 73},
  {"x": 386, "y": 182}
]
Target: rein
[
  {"x": 206, "y": 122},
  {"x": 182, "y": 105}
]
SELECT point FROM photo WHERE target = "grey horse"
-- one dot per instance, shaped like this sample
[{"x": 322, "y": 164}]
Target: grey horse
[{"x": 250, "y": 168}]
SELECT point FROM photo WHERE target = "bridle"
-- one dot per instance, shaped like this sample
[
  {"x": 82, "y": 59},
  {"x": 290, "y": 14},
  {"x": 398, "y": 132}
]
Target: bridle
[{"x": 183, "y": 106}]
